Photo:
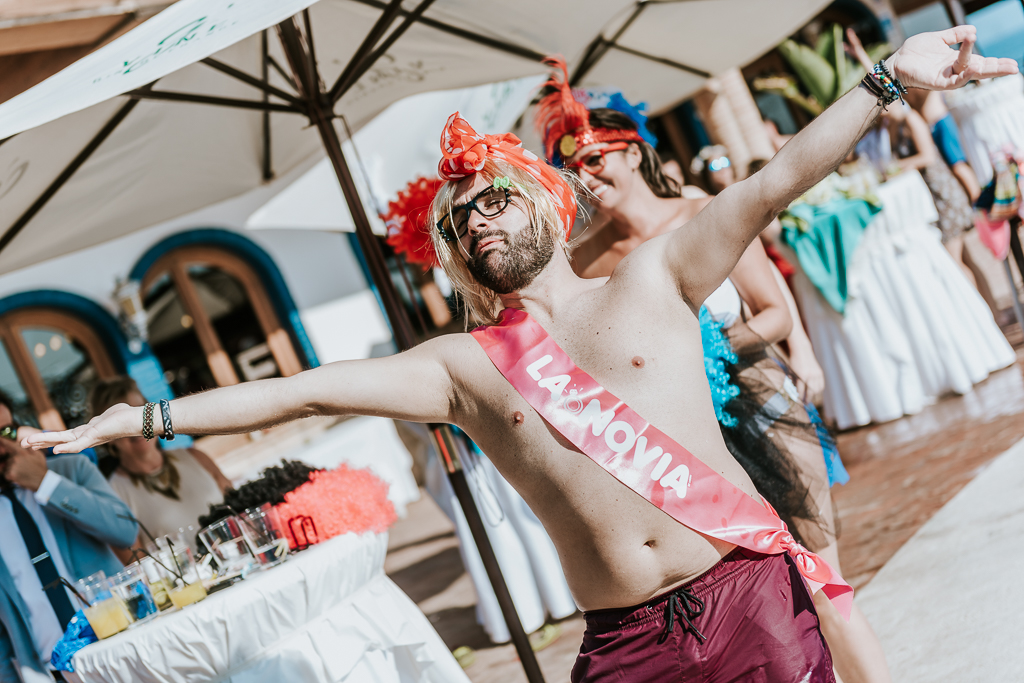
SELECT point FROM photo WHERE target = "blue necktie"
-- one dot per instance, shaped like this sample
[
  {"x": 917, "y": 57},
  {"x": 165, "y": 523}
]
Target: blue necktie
[{"x": 41, "y": 560}]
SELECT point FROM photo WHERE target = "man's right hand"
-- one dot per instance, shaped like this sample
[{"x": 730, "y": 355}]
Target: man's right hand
[{"x": 117, "y": 422}]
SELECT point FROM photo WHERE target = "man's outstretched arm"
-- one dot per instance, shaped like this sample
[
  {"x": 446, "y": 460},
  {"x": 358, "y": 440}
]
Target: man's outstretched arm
[
  {"x": 704, "y": 252},
  {"x": 414, "y": 385}
]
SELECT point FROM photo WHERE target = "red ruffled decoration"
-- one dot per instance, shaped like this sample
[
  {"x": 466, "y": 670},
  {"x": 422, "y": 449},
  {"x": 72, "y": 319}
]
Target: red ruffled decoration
[
  {"x": 337, "y": 501},
  {"x": 407, "y": 219}
]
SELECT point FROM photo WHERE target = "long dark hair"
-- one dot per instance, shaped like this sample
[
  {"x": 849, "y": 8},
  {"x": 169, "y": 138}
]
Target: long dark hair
[{"x": 650, "y": 164}]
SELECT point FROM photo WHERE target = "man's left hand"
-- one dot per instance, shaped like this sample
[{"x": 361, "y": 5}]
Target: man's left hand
[
  {"x": 926, "y": 60},
  {"x": 25, "y": 468}
]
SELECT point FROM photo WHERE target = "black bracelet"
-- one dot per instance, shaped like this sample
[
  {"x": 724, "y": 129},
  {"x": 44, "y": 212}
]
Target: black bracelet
[
  {"x": 165, "y": 413},
  {"x": 147, "y": 421},
  {"x": 871, "y": 84}
]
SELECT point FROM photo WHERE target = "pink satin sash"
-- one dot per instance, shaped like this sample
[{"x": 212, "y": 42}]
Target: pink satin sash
[{"x": 638, "y": 454}]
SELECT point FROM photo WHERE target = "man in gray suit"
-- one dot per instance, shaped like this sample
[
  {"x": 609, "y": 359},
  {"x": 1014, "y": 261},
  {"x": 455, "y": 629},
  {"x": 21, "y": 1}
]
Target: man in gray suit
[{"x": 58, "y": 517}]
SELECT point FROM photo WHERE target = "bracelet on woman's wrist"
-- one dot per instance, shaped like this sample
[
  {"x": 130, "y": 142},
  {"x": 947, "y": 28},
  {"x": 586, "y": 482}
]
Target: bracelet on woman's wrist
[{"x": 147, "y": 421}]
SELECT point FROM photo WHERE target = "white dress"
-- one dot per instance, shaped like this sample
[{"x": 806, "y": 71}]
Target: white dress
[
  {"x": 914, "y": 327},
  {"x": 990, "y": 116},
  {"x": 724, "y": 304}
]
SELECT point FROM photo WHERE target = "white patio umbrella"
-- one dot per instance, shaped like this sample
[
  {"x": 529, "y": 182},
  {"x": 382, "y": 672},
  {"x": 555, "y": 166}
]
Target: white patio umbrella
[
  {"x": 391, "y": 152},
  {"x": 168, "y": 157},
  {"x": 202, "y": 103}
]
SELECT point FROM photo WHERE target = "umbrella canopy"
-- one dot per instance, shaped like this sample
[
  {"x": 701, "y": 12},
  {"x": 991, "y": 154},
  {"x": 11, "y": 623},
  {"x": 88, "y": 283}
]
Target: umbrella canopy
[
  {"x": 392, "y": 152},
  {"x": 167, "y": 158},
  {"x": 661, "y": 52},
  {"x": 147, "y": 160}
]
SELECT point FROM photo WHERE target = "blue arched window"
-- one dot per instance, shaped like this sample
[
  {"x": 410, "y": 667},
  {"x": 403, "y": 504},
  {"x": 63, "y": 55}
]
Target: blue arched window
[{"x": 219, "y": 312}]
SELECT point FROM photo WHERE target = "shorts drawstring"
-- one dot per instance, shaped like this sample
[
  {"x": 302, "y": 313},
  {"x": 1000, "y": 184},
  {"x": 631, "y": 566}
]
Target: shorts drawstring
[{"x": 689, "y": 607}]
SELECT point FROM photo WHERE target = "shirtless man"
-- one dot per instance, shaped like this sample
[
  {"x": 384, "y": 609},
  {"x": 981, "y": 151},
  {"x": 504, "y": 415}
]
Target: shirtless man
[
  {"x": 637, "y": 206},
  {"x": 637, "y": 334}
]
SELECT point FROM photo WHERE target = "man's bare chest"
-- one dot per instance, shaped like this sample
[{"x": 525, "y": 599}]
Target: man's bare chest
[{"x": 649, "y": 356}]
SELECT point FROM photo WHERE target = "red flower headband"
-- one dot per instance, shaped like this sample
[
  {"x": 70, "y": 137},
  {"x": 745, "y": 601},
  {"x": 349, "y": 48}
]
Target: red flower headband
[
  {"x": 565, "y": 123},
  {"x": 463, "y": 153},
  {"x": 407, "y": 220}
]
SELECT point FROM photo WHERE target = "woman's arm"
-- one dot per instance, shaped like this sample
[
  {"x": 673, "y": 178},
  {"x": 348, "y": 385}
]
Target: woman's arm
[
  {"x": 223, "y": 483},
  {"x": 771, "y": 321},
  {"x": 802, "y": 360},
  {"x": 927, "y": 153}
]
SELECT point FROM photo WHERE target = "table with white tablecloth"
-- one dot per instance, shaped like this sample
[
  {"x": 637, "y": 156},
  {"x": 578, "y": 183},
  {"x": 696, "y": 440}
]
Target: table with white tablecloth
[
  {"x": 914, "y": 327},
  {"x": 328, "y": 614}
]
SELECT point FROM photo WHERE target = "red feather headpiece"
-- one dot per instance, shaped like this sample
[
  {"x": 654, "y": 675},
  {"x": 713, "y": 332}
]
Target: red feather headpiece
[
  {"x": 407, "y": 218},
  {"x": 564, "y": 123}
]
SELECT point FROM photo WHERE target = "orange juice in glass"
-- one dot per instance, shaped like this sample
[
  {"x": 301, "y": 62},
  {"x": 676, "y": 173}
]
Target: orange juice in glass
[
  {"x": 185, "y": 586},
  {"x": 183, "y": 596},
  {"x": 105, "y": 612},
  {"x": 107, "y": 617}
]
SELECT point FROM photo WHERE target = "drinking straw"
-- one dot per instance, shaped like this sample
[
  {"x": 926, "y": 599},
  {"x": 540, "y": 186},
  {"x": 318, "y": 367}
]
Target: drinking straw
[
  {"x": 174, "y": 556},
  {"x": 69, "y": 586},
  {"x": 142, "y": 526},
  {"x": 142, "y": 551}
]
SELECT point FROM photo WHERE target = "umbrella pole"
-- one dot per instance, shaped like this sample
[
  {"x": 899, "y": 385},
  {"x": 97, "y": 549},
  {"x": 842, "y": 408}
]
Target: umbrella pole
[{"x": 321, "y": 115}]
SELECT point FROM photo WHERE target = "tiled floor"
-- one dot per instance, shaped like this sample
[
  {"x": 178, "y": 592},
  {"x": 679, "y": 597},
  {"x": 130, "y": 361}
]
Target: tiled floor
[{"x": 901, "y": 474}]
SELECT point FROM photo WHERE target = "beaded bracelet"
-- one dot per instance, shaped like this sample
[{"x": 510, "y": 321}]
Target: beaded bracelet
[
  {"x": 165, "y": 413},
  {"x": 900, "y": 90},
  {"x": 883, "y": 85},
  {"x": 147, "y": 421}
]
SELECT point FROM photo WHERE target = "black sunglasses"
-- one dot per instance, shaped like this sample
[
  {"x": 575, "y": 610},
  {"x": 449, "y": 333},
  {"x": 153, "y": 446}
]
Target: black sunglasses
[{"x": 488, "y": 203}]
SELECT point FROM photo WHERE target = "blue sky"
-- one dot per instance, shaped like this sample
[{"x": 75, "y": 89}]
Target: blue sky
[{"x": 1001, "y": 29}]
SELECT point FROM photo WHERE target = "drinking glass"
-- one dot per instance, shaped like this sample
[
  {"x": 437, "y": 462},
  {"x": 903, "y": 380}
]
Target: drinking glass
[
  {"x": 265, "y": 535},
  {"x": 131, "y": 586},
  {"x": 159, "y": 584},
  {"x": 225, "y": 541},
  {"x": 105, "y": 612},
  {"x": 185, "y": 585}
]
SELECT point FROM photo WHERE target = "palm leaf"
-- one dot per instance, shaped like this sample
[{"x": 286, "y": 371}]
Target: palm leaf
[{"x": 815, "y": 73}]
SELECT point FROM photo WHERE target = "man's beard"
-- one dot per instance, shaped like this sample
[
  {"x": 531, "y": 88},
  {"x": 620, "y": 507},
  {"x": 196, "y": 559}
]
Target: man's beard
[{"x": 509, "y": 270}]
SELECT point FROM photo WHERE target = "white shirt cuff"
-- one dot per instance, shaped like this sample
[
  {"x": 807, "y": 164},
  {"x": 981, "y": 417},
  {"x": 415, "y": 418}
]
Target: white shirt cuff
[{"x": 47, "y": 486}]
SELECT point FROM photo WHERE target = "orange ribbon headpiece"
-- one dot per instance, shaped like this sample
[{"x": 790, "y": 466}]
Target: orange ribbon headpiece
[
  {"x": 564, "y": 123},
  {"x": 464, "y": 151}
]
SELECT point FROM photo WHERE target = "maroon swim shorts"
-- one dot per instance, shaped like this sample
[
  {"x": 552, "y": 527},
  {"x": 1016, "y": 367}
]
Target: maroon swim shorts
[{"x": 749, "y": 618}]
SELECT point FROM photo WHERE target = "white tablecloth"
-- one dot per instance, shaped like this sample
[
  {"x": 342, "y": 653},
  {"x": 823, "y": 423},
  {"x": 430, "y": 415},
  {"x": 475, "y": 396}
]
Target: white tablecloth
[
  {"x": 914, "y": 328},
  {"x": 327, "y": 614}
]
